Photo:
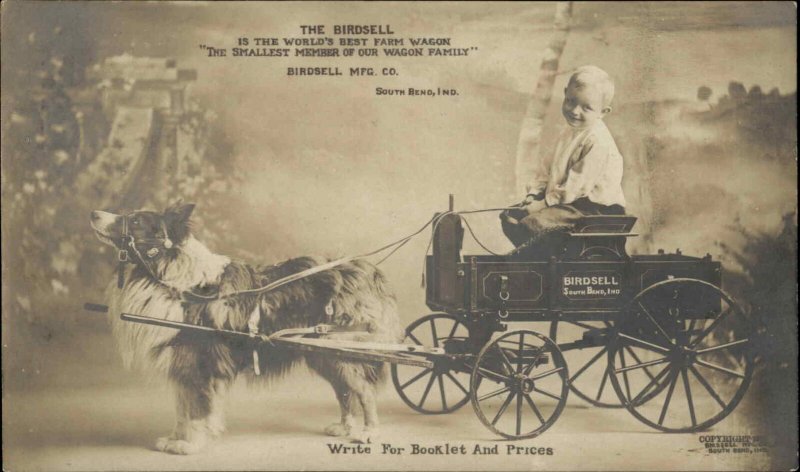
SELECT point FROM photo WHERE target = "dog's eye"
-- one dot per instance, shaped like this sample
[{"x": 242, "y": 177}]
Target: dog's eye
[{"x": 135, "y": 222}]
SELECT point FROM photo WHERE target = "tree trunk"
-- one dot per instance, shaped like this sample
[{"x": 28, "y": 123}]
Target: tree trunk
[{"x": 531, "y": 131}]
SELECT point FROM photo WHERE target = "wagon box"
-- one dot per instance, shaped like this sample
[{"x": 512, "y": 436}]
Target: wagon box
[{"x": 595, "y": 274}]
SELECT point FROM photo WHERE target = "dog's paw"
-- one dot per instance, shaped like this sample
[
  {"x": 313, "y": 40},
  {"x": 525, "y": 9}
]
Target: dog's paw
[
  {"x": 367, "y": 436},
  {"x": 177, "y": 446},
  {"x": 337, "y": 429},
  {"x": 161, "y": 443}
]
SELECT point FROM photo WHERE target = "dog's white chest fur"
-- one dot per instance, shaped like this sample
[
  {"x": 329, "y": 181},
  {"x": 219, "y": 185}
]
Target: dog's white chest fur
[{"x": 194, "y": 266}]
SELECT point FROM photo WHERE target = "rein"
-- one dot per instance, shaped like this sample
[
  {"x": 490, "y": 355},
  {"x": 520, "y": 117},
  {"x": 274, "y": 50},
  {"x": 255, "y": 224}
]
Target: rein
[{"x": 127, "y": 240}]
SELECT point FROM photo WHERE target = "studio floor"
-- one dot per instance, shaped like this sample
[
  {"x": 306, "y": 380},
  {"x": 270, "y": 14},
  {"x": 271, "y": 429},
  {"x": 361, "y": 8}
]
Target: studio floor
[{"x": 280, "y": 428}]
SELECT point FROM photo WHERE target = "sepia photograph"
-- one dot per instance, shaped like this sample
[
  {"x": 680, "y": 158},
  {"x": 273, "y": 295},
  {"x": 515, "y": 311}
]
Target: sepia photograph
[{"x": 435, "y": 236}]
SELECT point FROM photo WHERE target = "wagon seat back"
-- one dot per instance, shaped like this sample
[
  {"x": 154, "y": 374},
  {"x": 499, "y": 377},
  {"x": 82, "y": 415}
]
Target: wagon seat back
[{"x": 600, "y": 237}]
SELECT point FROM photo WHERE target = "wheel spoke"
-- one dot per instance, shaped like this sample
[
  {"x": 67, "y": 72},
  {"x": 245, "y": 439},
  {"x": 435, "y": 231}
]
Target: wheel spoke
[
  {"x": 625, "y": 374},
  {"x": 602, "y": 386},
  {"x": 688, "y": 396},
  {"x": 533, "y": 407},
  {"x": 441, "y": 391},
  {"x": 433, "y": 334},
  {"x": 453, "y": 331},
  {"x": 530, "y": 367},
  {"x": 650, "y": 385},
  {"x": 455, "y": 381},
  {"x": 636, "y": 358},
  {"x": 586, "y": 366},
  {"x": 652, "y": 320},
  {"x": 722, "y": 346},
  {"x": 414, "y": 338},
  {"x": 427, "y": 389},
  {"x": 642, "y": 365},
  {"x": 416, "y": 377},
  {"x": 673, "y": 381},
  {"x": 719, "y": 368},
  {"x": 641, "y": 343},
  {"x": 691, "y": 327},
  {"x": 545, "y": 374},
  {"x": 493, "y": 394},
  {"x": 520, "y": 351},
  {"x": 547, "y": 394},
  {"x": 711, "y": 327},
  {"x": 519, "y": 415},
  {"x": 493, "y": 375},
  {"x": 503, "y": 408},
  {"x": 707, "y": 386},
  {"x": 506, "y": 361}
]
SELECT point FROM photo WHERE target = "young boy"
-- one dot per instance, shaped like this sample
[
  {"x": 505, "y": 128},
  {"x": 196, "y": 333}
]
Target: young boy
[{"x": 584, "y": 176}]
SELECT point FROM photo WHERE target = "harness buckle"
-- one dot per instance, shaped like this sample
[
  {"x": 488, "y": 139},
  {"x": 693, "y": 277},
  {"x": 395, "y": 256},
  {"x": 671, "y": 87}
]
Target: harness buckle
[
  {"x": 252, "y": 328},
  {"x": 322, "y": 329},
  {"x": 122, "y": 255}
]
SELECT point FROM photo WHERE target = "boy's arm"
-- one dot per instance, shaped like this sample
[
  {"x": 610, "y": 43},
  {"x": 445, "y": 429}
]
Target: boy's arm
[
  {"x": 536, "y": 186},
  {"x": 585, "y": 172}
]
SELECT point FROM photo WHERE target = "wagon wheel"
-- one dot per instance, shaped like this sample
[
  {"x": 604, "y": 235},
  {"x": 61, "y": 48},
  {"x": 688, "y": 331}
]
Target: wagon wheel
[
  {"x": 590, "y": 374},
  {"x": 589, "y": 379},
  {"x": 528, "y": 369},
  {"x": 415, "y": 385},
  {"x": 697, "y": 337}
]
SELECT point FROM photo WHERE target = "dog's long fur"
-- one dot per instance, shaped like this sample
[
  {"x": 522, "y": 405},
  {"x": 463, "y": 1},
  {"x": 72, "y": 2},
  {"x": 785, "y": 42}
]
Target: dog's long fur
[{"x": 202, "y": 368}]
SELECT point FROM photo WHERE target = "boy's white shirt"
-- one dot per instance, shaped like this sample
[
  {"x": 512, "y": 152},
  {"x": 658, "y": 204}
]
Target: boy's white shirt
[{"x": 586, "y": 163}]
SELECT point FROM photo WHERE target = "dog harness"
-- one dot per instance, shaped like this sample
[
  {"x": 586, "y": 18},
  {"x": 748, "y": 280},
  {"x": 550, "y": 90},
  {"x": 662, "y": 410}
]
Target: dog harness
[{"x": 152, "y": 248}]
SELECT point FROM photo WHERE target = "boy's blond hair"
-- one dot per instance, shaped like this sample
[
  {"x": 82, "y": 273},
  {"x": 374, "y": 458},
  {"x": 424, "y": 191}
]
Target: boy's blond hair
[{"x": 594, "y": 76}]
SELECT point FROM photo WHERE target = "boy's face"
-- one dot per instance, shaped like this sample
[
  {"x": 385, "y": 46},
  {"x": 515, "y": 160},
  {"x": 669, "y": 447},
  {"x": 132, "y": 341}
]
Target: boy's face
[{"x": 583, "y": 106}]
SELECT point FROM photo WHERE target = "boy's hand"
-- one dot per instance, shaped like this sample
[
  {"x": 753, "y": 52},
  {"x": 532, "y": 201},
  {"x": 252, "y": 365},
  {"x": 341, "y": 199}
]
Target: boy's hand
[
  {"x": 535, "y": 206},
  {"x": 530, "y": 198}
]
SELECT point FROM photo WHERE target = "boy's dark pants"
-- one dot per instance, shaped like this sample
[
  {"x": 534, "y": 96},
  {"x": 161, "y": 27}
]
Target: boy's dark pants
[{"x": 543, "y": 233}]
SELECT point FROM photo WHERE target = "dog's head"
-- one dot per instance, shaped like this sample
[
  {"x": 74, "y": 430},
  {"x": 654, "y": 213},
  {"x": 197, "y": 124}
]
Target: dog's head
[{"x": 151, "y": 232}]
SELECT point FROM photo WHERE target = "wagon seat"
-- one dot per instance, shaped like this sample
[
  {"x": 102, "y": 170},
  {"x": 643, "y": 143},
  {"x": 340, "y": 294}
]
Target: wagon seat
[
  {"x": 599, "y": 237},
  {"x": 592, "y": 237}
]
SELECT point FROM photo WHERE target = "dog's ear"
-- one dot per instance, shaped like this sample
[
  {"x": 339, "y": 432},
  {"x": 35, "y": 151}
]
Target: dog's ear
[
  {"x": 182, "y": 212},
  {"x": 177, "y": 220}
]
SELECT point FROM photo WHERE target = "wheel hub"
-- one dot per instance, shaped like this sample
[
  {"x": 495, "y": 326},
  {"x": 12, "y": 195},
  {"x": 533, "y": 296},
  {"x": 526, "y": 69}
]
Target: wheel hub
[
  {"x": 523, "y": 384},
  {"x": 683, "y": 355}
]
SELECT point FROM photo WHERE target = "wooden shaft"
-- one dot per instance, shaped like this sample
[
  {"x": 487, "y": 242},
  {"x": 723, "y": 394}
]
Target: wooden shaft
[
  {"x": 178, "y": 325},
  {"x": 292, "y": 343}
]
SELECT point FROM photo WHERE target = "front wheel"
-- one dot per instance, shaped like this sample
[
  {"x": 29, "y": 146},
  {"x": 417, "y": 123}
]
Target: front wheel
[{"x": 526, "y": 369}]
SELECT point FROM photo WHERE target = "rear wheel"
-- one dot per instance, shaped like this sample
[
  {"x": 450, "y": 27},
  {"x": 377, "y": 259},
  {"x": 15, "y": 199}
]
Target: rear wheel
[
  {"x": 590, "y": 378},
  {"x": 699, "y": 342},
  {"x": 445, "y": 387}
]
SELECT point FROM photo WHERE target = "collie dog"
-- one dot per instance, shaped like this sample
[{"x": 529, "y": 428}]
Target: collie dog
[{"x": 168, "y": 261}]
